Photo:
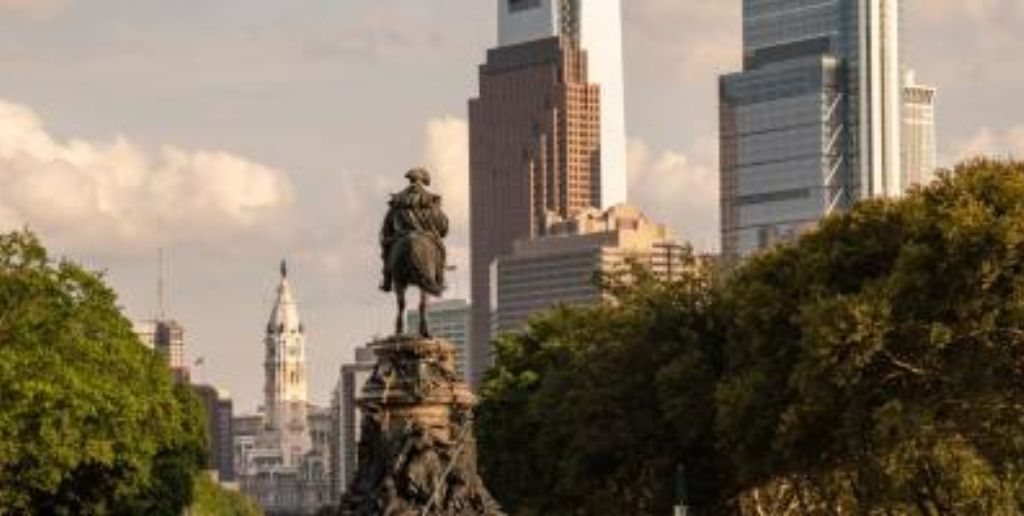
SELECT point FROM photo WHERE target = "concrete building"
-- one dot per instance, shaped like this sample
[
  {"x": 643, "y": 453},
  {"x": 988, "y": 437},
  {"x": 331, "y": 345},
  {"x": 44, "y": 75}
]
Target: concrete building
[
  {"x": 219, "y": 433},
  {"x": 347, "y": 420},
  {"x": 562, "y": 267},
  {"x": 285, "y": 451},
  {"x": 245, "y": 430},
  {"x": 166, "y": 337},
  {"x": 450, "y": 320},
  {"x": 320, "y": 430},
  {"x": 302, "y": 490},
  {"x": 146, "y": 331},
  {"x": 919, "y": 148},
  {"x": 547, "y": 134},
  {"x": 814, "y": 121}
]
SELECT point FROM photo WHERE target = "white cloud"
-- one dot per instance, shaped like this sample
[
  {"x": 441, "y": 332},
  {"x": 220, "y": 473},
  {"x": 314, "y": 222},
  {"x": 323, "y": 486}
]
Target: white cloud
[
  {"x": 679, "y": 189},
  {"x": 348, "y": 247},
  {"x": 976, "y": 11},
  {"x": 115, "y": 197},
  {"x": 376, "y": 29},
  {"x": 34, "y": 8},
  {"x": 989, "y": 142},
  {"x": 695, "y": 40},
  {"x": 446, "y": 154}
]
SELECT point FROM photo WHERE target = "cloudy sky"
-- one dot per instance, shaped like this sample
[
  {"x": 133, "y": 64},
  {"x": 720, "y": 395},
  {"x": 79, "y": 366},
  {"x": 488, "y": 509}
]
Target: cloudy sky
[{"x": 237, "y": 132}]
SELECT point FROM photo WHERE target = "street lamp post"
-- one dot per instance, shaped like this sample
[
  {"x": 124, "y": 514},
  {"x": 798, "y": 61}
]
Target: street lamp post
[{"x": 682, "y": 507}]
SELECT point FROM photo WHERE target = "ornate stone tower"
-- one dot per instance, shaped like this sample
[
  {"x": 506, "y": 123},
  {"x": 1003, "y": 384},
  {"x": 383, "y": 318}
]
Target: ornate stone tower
[{"x": 285, "y": 386}]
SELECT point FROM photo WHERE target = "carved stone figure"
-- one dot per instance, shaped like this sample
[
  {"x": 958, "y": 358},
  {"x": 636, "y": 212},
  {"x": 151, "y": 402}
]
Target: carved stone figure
[
  {"x": 412, "y": 245},
  {"x": 417, "y": 451}
]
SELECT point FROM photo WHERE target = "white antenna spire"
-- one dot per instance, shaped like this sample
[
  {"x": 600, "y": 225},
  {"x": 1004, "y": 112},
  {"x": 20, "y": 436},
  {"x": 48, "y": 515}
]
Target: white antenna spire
[{"x": 160, "y": 285}]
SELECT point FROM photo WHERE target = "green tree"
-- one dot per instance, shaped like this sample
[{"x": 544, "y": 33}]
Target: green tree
[
  {"x": 213, "y": 500},
  {"x": 876, "y": 364},
  {"x": 89, "y": 419},
  {"x": 573, "y": 419}
]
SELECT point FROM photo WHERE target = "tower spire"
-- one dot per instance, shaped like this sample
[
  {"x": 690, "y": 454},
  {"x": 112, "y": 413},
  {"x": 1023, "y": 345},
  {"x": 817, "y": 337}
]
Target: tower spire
[
  {"x": 161, "y": 304},
  {"x": 285, "y": 384}
]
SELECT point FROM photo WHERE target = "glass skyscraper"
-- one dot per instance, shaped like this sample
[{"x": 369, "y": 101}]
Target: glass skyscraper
[{"x": 813, "y": 122}]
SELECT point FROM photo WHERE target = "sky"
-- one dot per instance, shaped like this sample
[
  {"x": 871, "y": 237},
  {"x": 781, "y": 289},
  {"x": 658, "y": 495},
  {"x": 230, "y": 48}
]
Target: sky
[{"x": 236, "y": 133}]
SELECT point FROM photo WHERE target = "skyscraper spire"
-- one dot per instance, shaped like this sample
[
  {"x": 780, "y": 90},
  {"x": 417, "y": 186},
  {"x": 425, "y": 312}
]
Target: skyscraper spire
[
  {"x": 160, "y": 298},
  {"x": 284, "y": 268}
]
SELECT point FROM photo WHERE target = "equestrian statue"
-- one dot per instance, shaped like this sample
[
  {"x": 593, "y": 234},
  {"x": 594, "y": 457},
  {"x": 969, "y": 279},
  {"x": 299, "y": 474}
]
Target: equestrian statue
[
  {"x": 417, "y": 452},
  {"x": 412, "y": 246}
]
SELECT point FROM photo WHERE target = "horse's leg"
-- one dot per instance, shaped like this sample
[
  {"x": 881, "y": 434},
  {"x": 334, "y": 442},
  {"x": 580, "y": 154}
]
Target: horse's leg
[
  {"x": 400, "y": 320},
  {"x": 424, "y": 328}
]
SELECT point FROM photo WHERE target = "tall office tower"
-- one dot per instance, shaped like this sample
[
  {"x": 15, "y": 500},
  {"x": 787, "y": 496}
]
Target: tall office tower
[
  {"x": 167, "y": 338},
  {"x": 219, "y": 433},
  {"x": 812, "y": 124},
  {"x": 347, "y": 420},
  {"x": 919, "y": 150},
  {"x": 560, "y": 267},
  {"x": 597, "y": 26},
  {"x": 449, "y": 320},
  {"x": 542, "y": 139},
  {"x": 285, "y": 391}
]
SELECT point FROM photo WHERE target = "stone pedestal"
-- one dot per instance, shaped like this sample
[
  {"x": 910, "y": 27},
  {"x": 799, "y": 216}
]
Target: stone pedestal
[{"x": 417, "y": 453}]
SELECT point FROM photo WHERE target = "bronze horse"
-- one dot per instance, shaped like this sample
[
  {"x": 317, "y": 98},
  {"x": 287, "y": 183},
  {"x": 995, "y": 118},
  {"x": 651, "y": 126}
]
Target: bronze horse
[{"x": 412, "y": 246}]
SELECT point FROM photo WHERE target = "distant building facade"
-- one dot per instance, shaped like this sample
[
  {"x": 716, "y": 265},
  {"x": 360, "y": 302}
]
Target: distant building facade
[
  {"x": 347, "y": 420},
  {"x": 597, "y": 26},
  {"x": 449, "y": 320},
  {"x": 218, "y": 407},
  {"x": 284, "y": 452},
  {"x": 814, "y": 121},
  {"x": 534, "y": 148},
  {"x": 166, "y": 337},
  {"x": 245, "y": 430},
  {"x": 919, "y": 139},
  {"x": 562, "y": 267}
]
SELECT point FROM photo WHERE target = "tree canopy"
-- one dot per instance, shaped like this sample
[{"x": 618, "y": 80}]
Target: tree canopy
[
  {"x": 582, "y": 414},
  {"x": 873, "y": 366},
  {"x": 89, "y": 419},
  {"x": 213, "y": 500}
]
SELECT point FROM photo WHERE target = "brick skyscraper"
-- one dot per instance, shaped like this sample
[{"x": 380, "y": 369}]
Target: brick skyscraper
[{"x": 535, "y": 148}]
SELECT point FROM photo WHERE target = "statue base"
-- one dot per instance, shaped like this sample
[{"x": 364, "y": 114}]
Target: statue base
[{"x": 417, "y": 452}]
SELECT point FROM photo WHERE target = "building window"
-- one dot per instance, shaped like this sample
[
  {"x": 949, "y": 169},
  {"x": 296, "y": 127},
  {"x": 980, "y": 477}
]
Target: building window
[{"x": 522, "y": 5}]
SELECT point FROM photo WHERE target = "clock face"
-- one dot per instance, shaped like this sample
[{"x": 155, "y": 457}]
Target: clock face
[{"x": 293, "y": 351}]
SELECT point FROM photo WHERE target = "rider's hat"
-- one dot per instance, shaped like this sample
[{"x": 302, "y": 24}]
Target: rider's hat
[{"x": 418, "y": 174}]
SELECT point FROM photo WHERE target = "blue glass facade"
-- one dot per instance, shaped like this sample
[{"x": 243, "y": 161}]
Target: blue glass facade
[{"x": 808, "y": 127}]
